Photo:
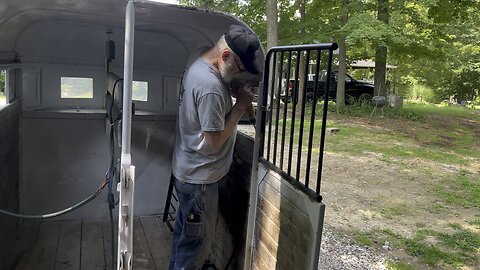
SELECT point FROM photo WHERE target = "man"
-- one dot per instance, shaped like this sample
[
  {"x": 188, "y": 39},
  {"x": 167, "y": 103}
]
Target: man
[{"x": 205, "y": 137}]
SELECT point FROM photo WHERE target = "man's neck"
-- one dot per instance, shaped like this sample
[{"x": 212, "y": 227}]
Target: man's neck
[{"x": 210, "y": 56}]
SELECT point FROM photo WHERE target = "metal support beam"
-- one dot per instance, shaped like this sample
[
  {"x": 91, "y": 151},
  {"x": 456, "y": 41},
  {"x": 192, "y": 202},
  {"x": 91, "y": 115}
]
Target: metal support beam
[
  {"x": 259, "y": 133},
  {"x": 126, "y": 186}
]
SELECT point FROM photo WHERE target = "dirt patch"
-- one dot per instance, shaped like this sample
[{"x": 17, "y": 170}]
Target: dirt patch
[
  {"x": 365, "y": 193},
  {"x": 471, "y": 125},
  {"x": 368, "y": 192}
]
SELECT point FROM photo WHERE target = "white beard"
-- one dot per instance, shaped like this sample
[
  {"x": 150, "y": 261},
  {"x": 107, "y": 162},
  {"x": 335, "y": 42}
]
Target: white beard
[{"x": 227, "y": 72}]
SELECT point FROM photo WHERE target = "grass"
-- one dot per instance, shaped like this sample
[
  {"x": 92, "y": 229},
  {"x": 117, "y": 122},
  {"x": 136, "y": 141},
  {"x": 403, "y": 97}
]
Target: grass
[
  {"x": 429, "y": 109},
  {"x": 457, "y": 143},
  {"x": 414, "y": 135},
  {"x": 366, "y": 110},
  {"x": 447, "y": 135},
  {"x": 393, "y": 265},
  {"x": 462, "y": 190},
  {"x": 363, "y": 238},
  {"x": 395, "y": 210},
  {"x": 475, "y": 222},
  {"x": 457, "y": 248},
  {"x": 417, "y": 134}
]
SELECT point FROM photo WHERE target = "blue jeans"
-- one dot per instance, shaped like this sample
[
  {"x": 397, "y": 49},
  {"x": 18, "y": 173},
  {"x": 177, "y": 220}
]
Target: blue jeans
[{"x": 194, "y": 225}]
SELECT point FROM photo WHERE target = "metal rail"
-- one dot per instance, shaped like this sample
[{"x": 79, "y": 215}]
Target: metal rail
[
  {"x": 127, "y": 176},
  {"x": 302, "y": 107}
]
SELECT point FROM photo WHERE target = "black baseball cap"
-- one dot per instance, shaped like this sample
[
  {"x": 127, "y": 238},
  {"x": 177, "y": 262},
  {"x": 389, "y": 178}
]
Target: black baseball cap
[{"x": 244, "y": 43}]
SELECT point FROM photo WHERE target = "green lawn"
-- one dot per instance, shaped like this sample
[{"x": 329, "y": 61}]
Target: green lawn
[{"x": 443, "y": 136}]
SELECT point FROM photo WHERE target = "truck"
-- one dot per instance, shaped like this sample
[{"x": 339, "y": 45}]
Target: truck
[{"x": 355, "y": 90}]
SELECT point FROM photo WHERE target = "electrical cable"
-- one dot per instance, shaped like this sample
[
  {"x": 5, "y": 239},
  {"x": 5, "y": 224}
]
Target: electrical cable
[
  {"x": 109, "y": 176},
  {"x": 61, "y": 212},
  {"x": 112, "y": 121},
  {"x": 112, "y": 170}
]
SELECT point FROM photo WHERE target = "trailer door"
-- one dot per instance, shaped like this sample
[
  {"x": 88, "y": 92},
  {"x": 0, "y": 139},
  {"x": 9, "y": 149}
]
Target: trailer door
[{"x": 286, "y": 212}]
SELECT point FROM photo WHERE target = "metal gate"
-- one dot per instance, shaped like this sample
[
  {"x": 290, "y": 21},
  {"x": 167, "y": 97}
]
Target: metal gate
[{"x": 289, "y": 141}]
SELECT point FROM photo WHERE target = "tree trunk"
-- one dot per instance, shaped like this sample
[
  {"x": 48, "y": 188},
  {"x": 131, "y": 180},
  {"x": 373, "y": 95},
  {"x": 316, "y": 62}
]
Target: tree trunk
[
  {"x": 380, "y": 88},
  {"x": 342, "y": 60},
  {"x": 272, "y": 23},
  {"x": 272, "y": 36},
  {"x": 302, "y": 69}
]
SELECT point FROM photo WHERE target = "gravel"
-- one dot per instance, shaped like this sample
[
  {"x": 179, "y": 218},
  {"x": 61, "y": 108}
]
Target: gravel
[{"x": 338, "y": 252}]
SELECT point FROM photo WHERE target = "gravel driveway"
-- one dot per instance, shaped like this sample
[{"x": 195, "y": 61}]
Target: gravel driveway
[{"x": 338, "y": 252}]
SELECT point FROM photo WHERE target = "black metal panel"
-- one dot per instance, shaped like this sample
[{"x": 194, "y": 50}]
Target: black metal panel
[{"x": 290, "y": 113}]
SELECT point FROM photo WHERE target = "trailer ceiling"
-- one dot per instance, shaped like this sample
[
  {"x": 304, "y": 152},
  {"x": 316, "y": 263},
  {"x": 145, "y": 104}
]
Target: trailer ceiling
[{"x": 194, "y": 28}]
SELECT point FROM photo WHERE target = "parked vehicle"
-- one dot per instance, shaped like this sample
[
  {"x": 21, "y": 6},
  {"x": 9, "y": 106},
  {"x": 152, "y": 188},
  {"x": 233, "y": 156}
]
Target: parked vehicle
[{"x": 355, "y": 91}]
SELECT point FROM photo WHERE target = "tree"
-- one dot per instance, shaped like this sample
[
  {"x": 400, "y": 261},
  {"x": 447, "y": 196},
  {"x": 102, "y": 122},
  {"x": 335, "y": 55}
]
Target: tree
[
  {"x": 432, "y": 42},
  {"x": 272, "y": 23},
  {"x": 380, "y": 88},
  {"x": 272, "y": 34},
  {"x": 223, "y": 5},
  {"x": 301, "y": 57},
  {"x": 342, "y": 60},
  {"x": 443, "y": 43}
]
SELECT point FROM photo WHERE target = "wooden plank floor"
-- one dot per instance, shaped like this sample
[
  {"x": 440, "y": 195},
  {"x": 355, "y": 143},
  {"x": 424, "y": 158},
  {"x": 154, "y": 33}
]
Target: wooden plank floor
[{"x": 86, "y": 244}]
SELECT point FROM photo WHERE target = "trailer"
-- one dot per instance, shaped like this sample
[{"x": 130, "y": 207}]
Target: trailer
[{"x": 87, "y": 132}]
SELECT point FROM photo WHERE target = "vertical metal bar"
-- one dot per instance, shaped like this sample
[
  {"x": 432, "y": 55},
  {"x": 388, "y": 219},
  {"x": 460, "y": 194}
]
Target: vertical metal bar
[
  {"x": 270, "y": 111},
  {"x": 166, "y": 210},
  {"x": 285, "y": 106},
  {"x": 277, "y": 115},
  {"x": 302, "y": 116},
  {"x": 312, "y": 119},
  {"x": 257, "y": 153},
  {"x": 127, "y": 78},
  {"x": 294, "y": 107},
  {"x": 324, "y": 121},
  {"x": 127, "y": 180}
]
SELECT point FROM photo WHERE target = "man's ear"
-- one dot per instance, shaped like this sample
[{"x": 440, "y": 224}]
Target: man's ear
[{"x": 225, "y": 55}]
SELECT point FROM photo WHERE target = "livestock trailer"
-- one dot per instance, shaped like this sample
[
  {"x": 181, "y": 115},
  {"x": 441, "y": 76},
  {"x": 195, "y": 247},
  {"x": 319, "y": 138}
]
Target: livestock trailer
[{"x": 87, "y": 131}]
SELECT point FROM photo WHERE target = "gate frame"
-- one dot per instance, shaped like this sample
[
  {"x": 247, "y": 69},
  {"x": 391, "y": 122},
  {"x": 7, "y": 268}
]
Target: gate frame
[{"x": 259, "y": 144}]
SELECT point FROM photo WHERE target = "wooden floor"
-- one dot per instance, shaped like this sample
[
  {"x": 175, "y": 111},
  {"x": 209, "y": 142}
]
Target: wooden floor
[{"x": 86, "y": 244}]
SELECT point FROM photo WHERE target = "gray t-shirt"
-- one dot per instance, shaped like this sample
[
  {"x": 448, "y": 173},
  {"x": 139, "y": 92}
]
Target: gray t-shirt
[{"x": 204, "y": 104}]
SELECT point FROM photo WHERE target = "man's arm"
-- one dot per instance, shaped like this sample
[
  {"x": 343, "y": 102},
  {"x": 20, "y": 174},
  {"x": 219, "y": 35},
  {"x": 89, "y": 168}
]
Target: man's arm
[{"x": 215, "y": 139}]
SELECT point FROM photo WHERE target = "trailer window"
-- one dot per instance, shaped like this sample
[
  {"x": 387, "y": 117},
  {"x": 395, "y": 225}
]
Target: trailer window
[
  {"x": 76, "y": 87},
  {"x": 3, "y": 99},
  {"x": 140, "y": 91}
]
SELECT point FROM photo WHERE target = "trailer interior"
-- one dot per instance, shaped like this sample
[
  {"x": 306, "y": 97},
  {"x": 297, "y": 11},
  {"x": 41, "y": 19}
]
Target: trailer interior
[{"x": 65, "y": 64}]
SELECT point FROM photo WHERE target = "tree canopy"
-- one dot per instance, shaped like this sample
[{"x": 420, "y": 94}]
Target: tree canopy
[{"x": 431, "y": 42}]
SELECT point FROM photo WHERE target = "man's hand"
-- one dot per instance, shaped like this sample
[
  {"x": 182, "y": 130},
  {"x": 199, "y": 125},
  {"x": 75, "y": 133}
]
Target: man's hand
[{"x": 244, "y": 96}]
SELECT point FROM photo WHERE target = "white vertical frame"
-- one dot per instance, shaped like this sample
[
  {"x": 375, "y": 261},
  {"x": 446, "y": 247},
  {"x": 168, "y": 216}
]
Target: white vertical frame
[{"x": 127, "y": 175}]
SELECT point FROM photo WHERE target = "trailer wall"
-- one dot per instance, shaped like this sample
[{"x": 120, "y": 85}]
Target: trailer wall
[{"x": 9, "y": 180}]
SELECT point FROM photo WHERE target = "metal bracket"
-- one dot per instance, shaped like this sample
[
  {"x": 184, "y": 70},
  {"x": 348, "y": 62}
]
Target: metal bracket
[
  {"x": 126, "y": 178},
  {"x": 125, "y": 223},
  {"x": 125, "y": 256}
]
